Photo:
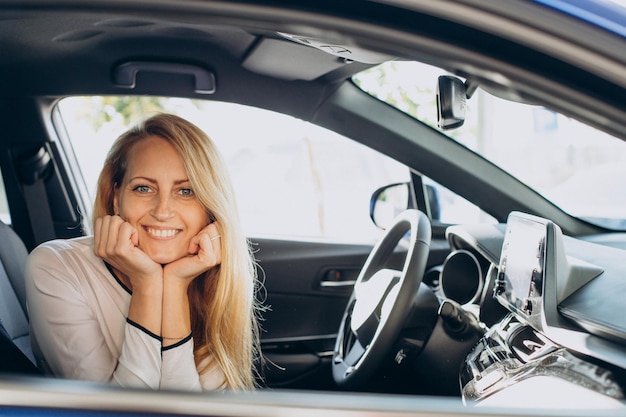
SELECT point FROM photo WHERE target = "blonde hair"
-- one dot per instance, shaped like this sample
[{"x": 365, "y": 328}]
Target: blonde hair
[{"x": 223, "y": 303}]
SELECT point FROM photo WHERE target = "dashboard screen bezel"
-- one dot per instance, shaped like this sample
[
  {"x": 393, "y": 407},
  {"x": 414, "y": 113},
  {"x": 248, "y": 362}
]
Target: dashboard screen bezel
[{"x": 521, "y": 277}]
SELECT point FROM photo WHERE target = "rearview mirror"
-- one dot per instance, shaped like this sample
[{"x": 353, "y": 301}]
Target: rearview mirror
[{"x": 451, "y": 102}]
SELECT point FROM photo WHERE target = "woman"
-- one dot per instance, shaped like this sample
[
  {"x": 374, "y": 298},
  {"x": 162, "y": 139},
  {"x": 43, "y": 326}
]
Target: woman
[{"x": 162, "y": 295}]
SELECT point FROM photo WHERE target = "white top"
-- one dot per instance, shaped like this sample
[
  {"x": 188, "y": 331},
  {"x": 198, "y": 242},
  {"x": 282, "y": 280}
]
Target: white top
[{"x": 79, "y": 328}]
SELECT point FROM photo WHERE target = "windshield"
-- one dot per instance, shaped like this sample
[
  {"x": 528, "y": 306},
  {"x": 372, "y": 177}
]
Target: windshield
[{"x": 573, "y": 165}]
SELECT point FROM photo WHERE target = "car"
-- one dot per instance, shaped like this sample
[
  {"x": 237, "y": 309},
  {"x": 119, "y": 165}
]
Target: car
[{"x": 431, "y": 190}]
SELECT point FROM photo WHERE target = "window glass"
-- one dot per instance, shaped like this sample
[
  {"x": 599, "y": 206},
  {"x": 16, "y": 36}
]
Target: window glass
[
  {"x": 450, "y": 208},
  {"x": 575, "y": 166},
  {"x": 292, "y": 178},
  {"x": 5, "y": 215}
]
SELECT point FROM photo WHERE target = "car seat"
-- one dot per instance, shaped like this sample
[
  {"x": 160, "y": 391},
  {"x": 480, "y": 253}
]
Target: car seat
[{"x": 16, "y": 354}]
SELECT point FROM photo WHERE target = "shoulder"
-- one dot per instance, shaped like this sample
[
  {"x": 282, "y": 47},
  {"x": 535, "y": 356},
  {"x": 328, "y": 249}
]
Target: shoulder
[
  {"x": 62, "y": 257},
  {"x": 65, "y": 244},
  {"x": 63, "y": 247}
]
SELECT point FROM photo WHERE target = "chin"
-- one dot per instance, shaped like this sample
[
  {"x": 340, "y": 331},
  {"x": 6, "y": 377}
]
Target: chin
[{"x": 165, "y": 257}]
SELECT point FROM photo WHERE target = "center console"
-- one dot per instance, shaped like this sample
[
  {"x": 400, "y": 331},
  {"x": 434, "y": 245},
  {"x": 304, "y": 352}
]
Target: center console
[{"x": 534, "y": 275}]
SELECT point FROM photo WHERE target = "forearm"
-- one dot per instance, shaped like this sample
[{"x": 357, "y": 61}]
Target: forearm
[
  {"x": 140, "y": 360},
  {"x": 178, "y": 369},
  {"x": 176, "y": 316},
  {"x": 139, "y": 364},
  {"x": 145, "y": 307},
  {"x": 178, "y": 366}
]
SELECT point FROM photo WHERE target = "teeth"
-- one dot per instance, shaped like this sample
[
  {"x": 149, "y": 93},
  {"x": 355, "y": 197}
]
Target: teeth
[{"x": 162, "y": 233}]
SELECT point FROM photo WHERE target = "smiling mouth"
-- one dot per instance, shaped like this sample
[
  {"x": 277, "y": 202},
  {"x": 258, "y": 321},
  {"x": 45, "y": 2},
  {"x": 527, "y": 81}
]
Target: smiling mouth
[{"x": 162, "y": 233}]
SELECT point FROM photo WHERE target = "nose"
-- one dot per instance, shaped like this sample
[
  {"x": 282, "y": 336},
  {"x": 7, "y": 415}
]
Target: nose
[{"x": 162, "y": 209}]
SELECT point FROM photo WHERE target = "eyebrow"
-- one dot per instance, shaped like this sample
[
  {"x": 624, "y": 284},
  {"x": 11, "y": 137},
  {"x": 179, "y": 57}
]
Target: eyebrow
[{"x": 154, "y": 181}]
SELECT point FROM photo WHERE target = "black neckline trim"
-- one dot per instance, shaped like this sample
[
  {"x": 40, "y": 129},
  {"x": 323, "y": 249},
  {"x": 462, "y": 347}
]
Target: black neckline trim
[{"x": 119, "y": 281}]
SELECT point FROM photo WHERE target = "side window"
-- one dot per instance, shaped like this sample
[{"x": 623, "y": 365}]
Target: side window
[
  {"x": 293, "y": 179},
  {"x": 5, "y": 215},
  {"x": 450, "y": 208}
]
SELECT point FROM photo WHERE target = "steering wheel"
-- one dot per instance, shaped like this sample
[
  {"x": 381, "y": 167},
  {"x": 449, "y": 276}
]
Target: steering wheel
[{"x": 381, "y": 300}]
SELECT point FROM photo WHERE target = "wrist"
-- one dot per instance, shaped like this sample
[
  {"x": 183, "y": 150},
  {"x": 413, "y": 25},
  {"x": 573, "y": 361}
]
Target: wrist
[
  {"x": 177, "y": 338},
  {"x": 170, "y": 342},
  {"x": 172, "y": 283},
  {"x": 148, "y": 288}
]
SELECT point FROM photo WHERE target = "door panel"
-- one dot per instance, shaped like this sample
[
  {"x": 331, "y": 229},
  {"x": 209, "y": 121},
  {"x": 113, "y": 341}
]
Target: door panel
[
  {"x": 296, "y": 276},
  {"x": 306, "y": 288}
]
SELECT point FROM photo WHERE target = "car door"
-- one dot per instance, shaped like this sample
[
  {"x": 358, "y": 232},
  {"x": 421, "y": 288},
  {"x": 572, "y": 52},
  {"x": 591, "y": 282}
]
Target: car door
[{"x": 306, "y": 289}]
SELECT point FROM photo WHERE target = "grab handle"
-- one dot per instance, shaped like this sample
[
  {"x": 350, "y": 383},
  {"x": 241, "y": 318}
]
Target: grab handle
[{"x": 125, "y": 74}]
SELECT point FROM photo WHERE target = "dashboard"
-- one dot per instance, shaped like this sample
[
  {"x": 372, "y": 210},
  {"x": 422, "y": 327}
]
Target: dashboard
[{"x": 552, "y": 308}]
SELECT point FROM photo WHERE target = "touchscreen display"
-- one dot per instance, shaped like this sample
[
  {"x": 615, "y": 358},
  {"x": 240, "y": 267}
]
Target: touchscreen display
[{"x": 521, "y": 269}]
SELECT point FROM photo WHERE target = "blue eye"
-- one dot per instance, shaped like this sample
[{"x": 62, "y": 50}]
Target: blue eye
[
  {"x": 142, "y": 189},
  {"x": 187, "y": 192}
]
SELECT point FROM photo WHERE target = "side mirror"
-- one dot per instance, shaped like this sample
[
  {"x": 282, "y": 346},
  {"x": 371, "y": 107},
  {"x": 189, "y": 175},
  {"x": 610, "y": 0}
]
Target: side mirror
[{"x": 390, "y": 200}]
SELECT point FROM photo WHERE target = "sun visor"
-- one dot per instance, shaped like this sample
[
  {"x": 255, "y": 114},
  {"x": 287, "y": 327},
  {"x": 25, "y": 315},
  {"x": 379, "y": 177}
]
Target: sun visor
[
  {"x": 269, "y": 57},
  {"x": 349, "y": 53},
  {"x": 309, "y": 58}
]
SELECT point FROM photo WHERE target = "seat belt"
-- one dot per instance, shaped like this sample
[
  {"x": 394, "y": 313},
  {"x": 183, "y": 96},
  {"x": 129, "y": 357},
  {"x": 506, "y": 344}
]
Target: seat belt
[{"x": 33, "y": 170}]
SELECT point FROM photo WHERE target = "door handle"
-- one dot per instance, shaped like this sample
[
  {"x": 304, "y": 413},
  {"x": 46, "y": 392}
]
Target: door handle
[{"x": 339, "y": 277}]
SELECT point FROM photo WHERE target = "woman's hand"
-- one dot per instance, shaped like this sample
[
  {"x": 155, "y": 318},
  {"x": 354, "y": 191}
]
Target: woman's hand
[
  {"x": 205, "y": 252},
  {"x": 115, "y": 241}
]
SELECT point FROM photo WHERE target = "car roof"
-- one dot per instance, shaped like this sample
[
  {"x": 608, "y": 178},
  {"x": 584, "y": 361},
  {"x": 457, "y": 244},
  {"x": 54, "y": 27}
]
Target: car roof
[
  {"x": 71, "y": 47},
  {"x": 609, "y": 15}
]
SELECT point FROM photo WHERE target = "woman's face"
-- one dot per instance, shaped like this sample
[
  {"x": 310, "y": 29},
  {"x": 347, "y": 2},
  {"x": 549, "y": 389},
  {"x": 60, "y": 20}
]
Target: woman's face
[{"x": 157, "y": 199}]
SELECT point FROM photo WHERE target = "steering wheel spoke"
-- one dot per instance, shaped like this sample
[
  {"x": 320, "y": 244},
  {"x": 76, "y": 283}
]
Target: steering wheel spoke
[{"x": 354, "y": 355}]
